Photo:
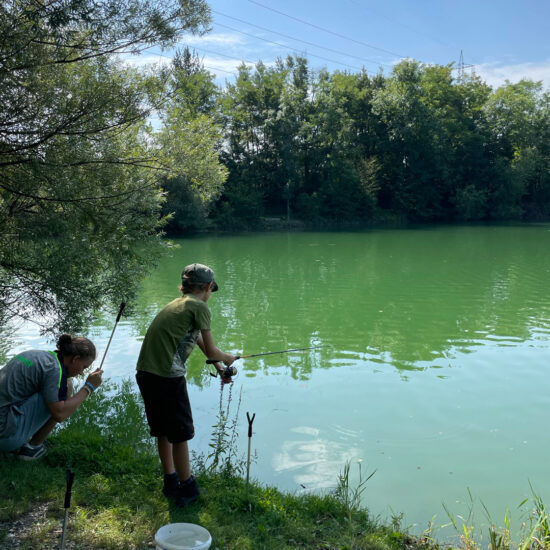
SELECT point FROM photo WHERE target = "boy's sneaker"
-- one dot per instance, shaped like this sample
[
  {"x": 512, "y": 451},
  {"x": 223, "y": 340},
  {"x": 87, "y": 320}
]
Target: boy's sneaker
[
  {"x": 32, "y": 452},
  {"x": 188, "y": 492},
  {"x": 171, "y": 487}
]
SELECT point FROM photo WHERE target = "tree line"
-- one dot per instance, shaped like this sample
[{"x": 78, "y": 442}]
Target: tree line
[
  {"x": 99, "y": 158},
  {"x": 418, "y": 145}
]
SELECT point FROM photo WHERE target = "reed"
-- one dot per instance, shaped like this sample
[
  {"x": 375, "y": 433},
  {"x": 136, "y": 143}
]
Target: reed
[{"x": 534, "y": 533}]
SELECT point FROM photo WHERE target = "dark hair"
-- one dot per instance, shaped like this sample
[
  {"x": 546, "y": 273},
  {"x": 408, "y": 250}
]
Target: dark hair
[
  {"x": 75, "y": 345},
  {"x": 190, "y": 288}
]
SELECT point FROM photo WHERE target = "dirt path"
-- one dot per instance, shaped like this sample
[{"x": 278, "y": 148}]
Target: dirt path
[{"x": 37, "y": 531}]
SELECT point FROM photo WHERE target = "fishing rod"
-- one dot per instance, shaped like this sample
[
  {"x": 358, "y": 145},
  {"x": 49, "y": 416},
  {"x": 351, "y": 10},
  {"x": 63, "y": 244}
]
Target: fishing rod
[
  {"x": 232, "y": 371},
  {"x": 121, "y": 309},
  {"x": 212, "y": 361}
]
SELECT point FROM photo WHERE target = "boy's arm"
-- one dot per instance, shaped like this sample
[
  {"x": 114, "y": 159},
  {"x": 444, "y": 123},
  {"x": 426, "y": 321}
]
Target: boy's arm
[{"x": 206, "y": 343}]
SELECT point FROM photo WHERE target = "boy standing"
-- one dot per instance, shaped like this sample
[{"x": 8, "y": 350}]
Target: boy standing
[{"x": 161, "y": 369}]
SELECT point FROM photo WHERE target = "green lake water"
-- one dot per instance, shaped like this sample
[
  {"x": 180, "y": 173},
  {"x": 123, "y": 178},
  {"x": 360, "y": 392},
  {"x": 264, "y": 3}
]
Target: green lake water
[{"x": 433, "y": 370}]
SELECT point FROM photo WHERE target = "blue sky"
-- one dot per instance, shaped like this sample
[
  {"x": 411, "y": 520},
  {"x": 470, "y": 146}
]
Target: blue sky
[{"x": 501, "y": 39}]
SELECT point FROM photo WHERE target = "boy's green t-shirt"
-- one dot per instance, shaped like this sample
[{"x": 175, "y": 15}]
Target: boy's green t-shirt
[{"x": 172, "y": 336}]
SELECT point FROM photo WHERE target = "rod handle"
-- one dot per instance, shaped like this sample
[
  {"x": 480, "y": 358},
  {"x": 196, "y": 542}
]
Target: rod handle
[
  {"x": 68, "y": 492},
  {"x": 121, "y": 309}
]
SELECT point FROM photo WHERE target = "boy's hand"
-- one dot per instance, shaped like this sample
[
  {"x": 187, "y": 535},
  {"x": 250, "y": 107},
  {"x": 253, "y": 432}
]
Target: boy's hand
[{"x": 229, "y": 359}]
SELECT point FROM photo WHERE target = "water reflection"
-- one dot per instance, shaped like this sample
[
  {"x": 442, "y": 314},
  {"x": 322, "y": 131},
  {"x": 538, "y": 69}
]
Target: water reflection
[
  {"x": 410, "y": 299},
  {"x": 313, "y": 460}
]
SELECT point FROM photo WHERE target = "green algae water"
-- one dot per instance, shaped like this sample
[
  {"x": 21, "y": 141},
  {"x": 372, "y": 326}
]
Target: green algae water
[{"x": 432, "y": 367}]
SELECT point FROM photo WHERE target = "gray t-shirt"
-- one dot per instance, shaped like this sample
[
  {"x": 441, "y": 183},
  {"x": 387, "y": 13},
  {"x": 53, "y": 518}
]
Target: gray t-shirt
[{"x": 30, "y": 372}]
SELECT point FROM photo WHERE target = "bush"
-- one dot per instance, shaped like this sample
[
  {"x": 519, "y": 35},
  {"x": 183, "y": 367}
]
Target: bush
[{"x": 108, "y": 434}]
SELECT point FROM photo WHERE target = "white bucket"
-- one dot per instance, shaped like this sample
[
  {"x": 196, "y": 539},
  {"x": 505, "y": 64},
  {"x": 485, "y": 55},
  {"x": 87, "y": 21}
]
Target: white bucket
[{"x": 182, "y": 536}]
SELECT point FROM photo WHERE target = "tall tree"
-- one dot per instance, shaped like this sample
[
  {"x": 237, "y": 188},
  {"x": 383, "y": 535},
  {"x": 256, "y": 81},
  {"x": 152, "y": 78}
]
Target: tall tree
[
  {"x": 79, "y": 194},
  {"x": 518, "y": 125},
  {"x": 251, "y": 152},
  {"x": 190, "y": 137}
]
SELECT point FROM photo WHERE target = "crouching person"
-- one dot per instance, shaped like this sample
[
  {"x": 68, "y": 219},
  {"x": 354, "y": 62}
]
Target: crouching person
[{"x": 36, "y": 393}]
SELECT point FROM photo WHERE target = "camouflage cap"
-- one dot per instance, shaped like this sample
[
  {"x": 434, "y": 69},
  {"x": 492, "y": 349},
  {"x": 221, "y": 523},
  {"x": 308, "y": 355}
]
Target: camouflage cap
[{"x": 199, "y": 273}]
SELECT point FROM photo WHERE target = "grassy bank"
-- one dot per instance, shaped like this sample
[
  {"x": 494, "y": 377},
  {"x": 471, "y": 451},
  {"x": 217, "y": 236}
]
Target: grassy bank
[
  {"x": 125, "y": 510},
  {"x": 117, "y": 500}
]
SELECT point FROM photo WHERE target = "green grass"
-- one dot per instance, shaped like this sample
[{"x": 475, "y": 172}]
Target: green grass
[
  {"x": 125, "y": 510},
  {"x": 117, "y": 500}
]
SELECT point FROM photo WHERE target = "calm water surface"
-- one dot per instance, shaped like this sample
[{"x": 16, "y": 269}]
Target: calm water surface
[{"x": 433, "y": 371}]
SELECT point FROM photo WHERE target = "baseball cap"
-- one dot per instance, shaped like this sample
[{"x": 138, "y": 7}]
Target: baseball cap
[{"x": 199, "y": 273}]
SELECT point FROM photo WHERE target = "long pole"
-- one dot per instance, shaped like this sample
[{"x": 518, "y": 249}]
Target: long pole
[
  {"x": 250, "y": 420},
  {"x": 212, "y": 361},
  {"x": 121, "y": 309},
  {"x": 67, "y": 505}
]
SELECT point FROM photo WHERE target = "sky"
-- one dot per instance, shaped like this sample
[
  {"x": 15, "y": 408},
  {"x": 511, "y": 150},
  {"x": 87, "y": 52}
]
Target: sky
[{"x": 499, "y": 39}]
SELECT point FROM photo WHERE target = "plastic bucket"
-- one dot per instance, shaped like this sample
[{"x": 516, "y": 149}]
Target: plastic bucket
[{"x": 182, "y": 536}]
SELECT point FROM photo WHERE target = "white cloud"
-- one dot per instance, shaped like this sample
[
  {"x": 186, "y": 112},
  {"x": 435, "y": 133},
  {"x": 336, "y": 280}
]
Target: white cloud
[
  {"x": 217, "y": 39},
  {"x": 222, "y": 68},
  {"x": 497, "y": 75}
]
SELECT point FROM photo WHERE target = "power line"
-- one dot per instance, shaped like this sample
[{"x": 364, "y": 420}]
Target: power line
[
  {"x": 394, "y": 22},
  {"x": 160, "y": 55},
  {"x": 234, "y": 73},
  {"x": 326, "y": 30},
  {"x": 300, "y": 40},
  {"x": 243, "y": 60},
  {"x": 284, "y": 46}
]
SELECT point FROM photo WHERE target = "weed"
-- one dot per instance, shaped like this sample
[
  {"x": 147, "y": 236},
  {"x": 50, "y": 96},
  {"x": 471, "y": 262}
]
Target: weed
[
  {"x": 223, "y": 455},
  {"x": 538, "y": 536},
  {"x": 348, "y": 495},
  {"x": 533, "y": 535}
]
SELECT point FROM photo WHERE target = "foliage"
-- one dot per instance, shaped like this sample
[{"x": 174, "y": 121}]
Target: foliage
[
  {"x": 79, "y": 172},
  {"x": 189, "y": 139},
  {"x": 86, "y": 184},
  {"x": 418, "y": 145}
]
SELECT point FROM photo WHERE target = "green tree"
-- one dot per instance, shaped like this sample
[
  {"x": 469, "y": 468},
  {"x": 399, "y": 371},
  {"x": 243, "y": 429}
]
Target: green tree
[
  {"x": 518, "y": 124},
  {"x": 415, "y": 149},
  {"x": 348, "y": 186},
  {"x": 189, "y": 140},
  {"x": 252, "y": 146},
  {"x": 79, "y": 172}
]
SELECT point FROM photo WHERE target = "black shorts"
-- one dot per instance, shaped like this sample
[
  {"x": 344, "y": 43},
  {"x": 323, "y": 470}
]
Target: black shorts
[{"x": 167, "y": 406}]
